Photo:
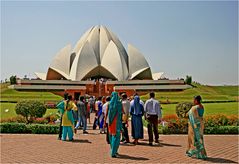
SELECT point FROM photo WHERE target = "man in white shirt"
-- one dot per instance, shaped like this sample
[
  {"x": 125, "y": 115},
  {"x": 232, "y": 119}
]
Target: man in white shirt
[{"x": 153, "y": 115}]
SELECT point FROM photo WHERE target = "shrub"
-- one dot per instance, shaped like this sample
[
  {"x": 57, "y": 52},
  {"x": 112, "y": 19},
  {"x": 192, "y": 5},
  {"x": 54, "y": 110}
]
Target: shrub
[
  {"x": 30, "y": 109},
  {"x": 222, "y": 130},
  {"x": 38, "y": 109},
  {"x": 13, "y": 128},
  {"x": 183, "y": 108},
  {"x": 28, "y": 128},
  {"x": 43, "y": 129}
]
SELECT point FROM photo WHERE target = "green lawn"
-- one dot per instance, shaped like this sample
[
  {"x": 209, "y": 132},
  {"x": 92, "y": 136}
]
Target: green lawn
[
  {"x": 210, "y": 108},
  {"x": 11, "y": 110},
  {"x": 13, "y": 95},
  {"x": 208, "y": 93}
]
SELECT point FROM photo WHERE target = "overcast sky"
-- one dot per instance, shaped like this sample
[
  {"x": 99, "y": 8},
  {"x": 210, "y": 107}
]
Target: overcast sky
[{"x": 197, "y": 38}]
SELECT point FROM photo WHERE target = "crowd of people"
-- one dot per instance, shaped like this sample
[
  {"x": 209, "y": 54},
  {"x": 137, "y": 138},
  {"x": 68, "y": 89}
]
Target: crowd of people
[{"x": 112, "y": 114}]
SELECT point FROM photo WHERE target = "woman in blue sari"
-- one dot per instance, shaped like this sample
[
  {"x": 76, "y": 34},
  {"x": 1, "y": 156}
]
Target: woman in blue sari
[
  {"x": 195, "y": 130},
  {"x": 137, "y": 111},
  {"x": 114, "y": 113}
]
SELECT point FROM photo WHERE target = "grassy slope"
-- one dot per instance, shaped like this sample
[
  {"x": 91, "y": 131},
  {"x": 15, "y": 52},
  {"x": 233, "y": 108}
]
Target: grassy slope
[
  {"x": 208, "y": 93},
  {"x": 13, "y": 95}
]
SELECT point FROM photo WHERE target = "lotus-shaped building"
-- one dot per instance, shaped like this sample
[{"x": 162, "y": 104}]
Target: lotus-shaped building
[{"x": 98, "y": 54}]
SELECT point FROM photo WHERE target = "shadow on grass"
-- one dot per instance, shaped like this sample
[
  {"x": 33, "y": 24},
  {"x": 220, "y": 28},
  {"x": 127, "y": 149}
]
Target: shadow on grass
[
  {"x": 219, "y": 160},
  {"x": 123, "y": 156}
]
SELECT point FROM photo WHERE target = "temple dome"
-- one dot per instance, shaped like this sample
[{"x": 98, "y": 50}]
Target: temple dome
[{"x": 98, "y": 53}]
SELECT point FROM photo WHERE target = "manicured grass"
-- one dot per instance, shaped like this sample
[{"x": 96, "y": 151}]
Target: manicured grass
[
  {"x": 210, "y": 108},
  {"x": 208, "y": 93},
  {"x": 13, "y": 95},
  {"x": 227, "y": 90},
  {"x": 11, "y": 110}
]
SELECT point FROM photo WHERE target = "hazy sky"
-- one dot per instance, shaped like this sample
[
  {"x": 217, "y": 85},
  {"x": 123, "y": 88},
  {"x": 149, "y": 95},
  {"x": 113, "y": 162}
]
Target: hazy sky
[{"x": 198, "y": 38}]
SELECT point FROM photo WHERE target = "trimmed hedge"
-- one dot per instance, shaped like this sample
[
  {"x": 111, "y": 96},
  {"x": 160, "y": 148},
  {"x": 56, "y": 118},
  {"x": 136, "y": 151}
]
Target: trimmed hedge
[
  {"x": 207, "y": 130},
  {"x": 222, "y": 130},
  {"x": 29, "y": 128}
]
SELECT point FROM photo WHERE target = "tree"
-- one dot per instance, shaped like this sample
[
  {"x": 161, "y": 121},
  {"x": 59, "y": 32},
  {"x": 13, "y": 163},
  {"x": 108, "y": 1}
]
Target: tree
[
  {"x": 188, "y": 80},
  {"x": 183, "y": 108},
  {"x": 30, "y": 109},
  {"x": 13, "y": 79}
]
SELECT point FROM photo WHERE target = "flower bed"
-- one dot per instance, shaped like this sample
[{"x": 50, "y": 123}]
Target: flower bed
[{"x": 214, "y": 124}]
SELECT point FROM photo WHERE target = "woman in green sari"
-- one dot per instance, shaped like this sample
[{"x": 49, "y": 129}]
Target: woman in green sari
[
  {"x": 114, "y": 113},
  {"x": 195, "y": 130}
]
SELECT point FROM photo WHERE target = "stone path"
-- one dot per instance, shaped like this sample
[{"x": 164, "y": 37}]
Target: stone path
[{"x": 92, "y": 148}]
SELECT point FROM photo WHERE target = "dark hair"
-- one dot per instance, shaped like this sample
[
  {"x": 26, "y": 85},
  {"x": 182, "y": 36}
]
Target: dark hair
[
  {"x": 124, "y": 96},
  {"x": 152, "y": 94},
  {"x": 198, "y": 98},
  {"x": 100, "y": 98},
  {"x": 108, "y": 98},
  {"x": 82, "y": 98},
  {"x": 69, "y": 97},
  {"x": 136, "y": 94},
  {"x": 65, "y": 96}
]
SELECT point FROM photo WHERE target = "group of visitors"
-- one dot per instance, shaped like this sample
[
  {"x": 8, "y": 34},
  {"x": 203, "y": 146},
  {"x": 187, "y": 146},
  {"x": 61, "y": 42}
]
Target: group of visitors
[{"x": 112, "y": 115}]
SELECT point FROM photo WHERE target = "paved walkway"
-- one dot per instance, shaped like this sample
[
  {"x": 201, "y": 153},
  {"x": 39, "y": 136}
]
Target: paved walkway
[{"x": 92, "y": 148}]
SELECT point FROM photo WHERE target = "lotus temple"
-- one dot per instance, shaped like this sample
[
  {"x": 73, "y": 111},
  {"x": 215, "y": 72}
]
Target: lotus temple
[{"x": 97, "y": 65}]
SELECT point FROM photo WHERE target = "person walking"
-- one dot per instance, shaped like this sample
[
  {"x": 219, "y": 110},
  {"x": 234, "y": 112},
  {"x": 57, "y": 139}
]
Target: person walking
[
  {"x": 125, "y": 117},
  {"x": 60, "y": 128},
  {"x": 82, "y": 114},
  {"x": 114, "y": 113},
  {"x": 195, "y": 130},
  {"x": 100, "y": 115},
  {"x": 153, "y": 115},
  {"x": 106, "y": 120},
  {"x": 66, "y": 108},
  {"x": 136, "y": 111}
]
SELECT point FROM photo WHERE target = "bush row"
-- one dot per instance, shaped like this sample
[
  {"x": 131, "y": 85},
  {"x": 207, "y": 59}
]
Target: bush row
[
  {"x": 29, "y": 128},
  {"x": 207, "y": 130}
]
